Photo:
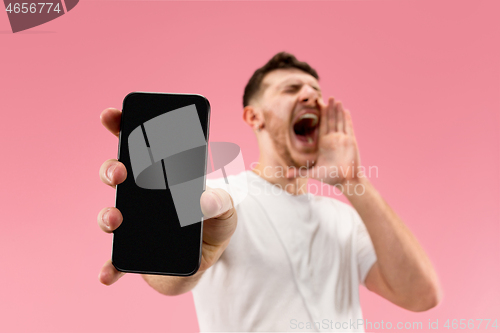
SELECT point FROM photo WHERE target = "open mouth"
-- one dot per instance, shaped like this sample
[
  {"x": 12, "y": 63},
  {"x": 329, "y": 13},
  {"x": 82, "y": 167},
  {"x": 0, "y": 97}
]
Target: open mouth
[{"x": 306, "y": 126}]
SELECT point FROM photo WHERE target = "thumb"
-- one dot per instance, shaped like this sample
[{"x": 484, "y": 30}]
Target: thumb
[
  {"x": 215, "y": 202},
  {"x": 323, "y": 122},
  {"x": 220, "y": 217}
]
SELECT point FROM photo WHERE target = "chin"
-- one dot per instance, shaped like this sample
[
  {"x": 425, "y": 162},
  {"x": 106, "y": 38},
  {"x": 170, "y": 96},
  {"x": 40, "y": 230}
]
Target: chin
[{"x": 304, "y": 159}]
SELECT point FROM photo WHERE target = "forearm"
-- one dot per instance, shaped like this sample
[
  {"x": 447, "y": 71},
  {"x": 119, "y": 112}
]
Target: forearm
[
  {"x": 403, "y": 263},
  {"x": 172, "y": 285}
]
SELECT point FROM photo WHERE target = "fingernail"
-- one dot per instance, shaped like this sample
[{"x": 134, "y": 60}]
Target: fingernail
[
  {"x": 110, "y": 171},
  {"x": 217, "y": 199},
  {"x": 105, "y": 219}
]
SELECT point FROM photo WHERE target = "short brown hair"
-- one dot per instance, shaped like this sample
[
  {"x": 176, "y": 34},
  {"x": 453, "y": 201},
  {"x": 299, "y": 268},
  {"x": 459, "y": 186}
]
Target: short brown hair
[{"x": 279, "y": 60}]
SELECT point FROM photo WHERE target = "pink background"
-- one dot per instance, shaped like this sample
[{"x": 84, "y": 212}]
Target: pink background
[{"x": 420, "y": 78}]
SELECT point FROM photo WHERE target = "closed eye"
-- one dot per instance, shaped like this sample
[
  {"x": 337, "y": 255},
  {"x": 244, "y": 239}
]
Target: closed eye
[{"x": 292, "y": 88}]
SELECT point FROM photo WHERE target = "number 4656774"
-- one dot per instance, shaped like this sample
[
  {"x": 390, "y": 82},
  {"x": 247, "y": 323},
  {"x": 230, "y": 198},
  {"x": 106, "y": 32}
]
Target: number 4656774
[
  {"x": 32, "y": 7},
  {"x": 470, "y": 324}
]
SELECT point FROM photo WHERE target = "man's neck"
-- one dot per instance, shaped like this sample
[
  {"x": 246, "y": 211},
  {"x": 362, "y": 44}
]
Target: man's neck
[{"x": 276, "y": 174}]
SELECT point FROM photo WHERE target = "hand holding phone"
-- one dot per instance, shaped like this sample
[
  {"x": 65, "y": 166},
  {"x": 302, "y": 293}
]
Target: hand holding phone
[{"x": 215, "y": 204}]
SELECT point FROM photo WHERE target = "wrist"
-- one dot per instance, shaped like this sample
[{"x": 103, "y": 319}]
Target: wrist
[{"x": 355, "y": 187}]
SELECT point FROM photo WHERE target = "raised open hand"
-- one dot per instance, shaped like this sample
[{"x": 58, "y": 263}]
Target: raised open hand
[{"x": 338, "y": 156}]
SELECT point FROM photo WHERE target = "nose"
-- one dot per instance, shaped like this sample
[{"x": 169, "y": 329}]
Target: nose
[{"x": 308, "y": 95}]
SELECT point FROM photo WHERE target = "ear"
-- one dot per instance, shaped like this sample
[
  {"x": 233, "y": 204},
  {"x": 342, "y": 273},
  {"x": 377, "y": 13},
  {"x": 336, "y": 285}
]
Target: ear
[{"x": 253, "y": 117}]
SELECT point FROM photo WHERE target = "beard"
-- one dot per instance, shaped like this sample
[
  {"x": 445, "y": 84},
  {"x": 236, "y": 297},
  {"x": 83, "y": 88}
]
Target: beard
[{"x": 279, "y": 131}]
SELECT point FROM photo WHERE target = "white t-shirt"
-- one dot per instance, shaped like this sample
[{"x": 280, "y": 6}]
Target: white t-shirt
[{"x": 294, "y": 263}]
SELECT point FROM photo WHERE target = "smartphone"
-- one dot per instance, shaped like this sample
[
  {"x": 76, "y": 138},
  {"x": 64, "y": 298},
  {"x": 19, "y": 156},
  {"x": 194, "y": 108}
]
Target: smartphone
[{"x": 163, "y": 145}]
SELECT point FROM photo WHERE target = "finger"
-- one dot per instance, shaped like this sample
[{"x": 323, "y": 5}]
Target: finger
[
  {"x": 323, "y": 124},
  {"x": 320, "y": 102},
  {"x": 343, "y": 113},
  {"x": 340, "y": 118},
  {"x": 331, "y": 115},
  {"x": 111, "y": 119},
  {"x": 109, "y": 219},
  {"x": 108, "y": 274},
  {"x": 349, "y": 129},
  {"x": 113, "y": 172},
  {"x": 215, "y": 202}
]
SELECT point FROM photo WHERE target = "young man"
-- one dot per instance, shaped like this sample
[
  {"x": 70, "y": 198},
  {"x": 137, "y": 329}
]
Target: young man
[{"x": 294, "y": 258}]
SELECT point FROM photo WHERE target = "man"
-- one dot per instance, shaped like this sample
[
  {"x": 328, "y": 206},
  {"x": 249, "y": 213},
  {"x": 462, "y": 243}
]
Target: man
[{"x": 294, "y": 260}]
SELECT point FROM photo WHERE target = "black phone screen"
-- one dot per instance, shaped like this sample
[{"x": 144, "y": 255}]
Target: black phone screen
[{"x": 163, "y": 145}]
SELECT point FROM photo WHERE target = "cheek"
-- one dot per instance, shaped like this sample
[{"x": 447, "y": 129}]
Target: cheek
[
  {"x": 276, "y": 124},
  {"x": 278, "y": 115}
]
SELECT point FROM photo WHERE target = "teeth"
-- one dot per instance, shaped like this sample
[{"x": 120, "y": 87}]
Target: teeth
[
  {"x": 310, "y": 116},
  {"x": 309, "y": 139}
]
